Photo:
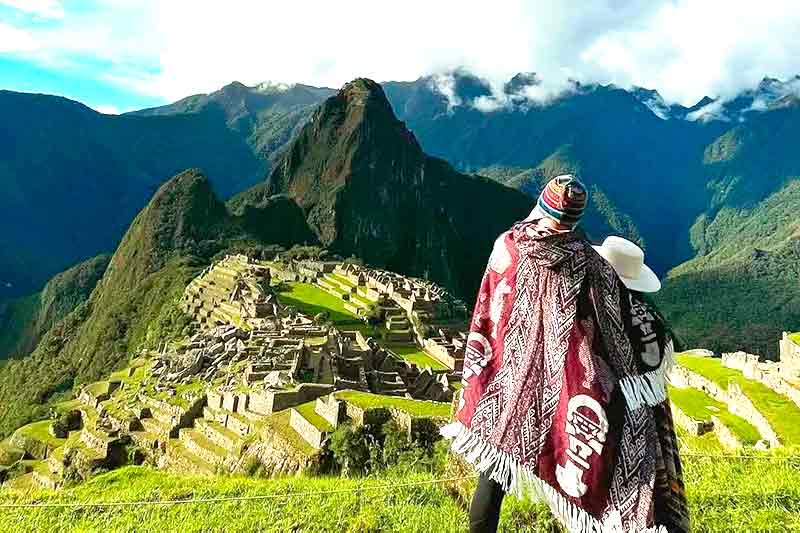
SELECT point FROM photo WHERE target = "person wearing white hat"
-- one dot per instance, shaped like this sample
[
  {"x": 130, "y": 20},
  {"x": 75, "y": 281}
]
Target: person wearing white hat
[
  {"x": 628, "y": 262},
  {"x": 652, "y": 345}
]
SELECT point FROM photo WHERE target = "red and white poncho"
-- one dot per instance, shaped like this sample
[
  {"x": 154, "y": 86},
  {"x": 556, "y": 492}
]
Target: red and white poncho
[{"x": 554, "y": 402}]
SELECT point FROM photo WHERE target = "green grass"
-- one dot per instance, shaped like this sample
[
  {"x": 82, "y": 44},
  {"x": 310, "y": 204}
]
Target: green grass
[
  {"x": 97, "y": 388},
  {"x": 40, "y": 431},
  {"x": 421, "y": 508},
  {"x": 781, "y": 413},
  {"x": 795, "y": 338},
  {"x": 312, "y": 300},
  {"x": 279, "y": 423},
  {"x": 416, "y": 355},
  {"x": 700, "y": 406},
  {"x": 342, "y": 279},
  {"x": 307, "y": 410},
  {"x": 417, "y": 408},
  {"x": 743, "y": 495}
]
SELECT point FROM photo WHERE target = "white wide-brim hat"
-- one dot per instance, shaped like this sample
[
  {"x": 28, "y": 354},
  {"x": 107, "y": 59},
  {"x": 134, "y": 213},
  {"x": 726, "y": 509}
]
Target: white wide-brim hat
[{"x": 628, "y": 262}]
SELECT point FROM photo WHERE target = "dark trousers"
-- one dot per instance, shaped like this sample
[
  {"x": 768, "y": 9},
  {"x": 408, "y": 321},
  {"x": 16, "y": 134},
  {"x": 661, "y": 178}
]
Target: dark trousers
[{"x": 484, "y": 513}]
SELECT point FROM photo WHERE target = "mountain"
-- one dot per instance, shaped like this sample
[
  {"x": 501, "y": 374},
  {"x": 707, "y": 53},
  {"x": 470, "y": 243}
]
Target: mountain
[
  {"x": 368, "y": 190},
  {"x": 741, "y": 290},
  {"x": 25, "y": 320},
  {"x": 266, "y": 116},
  {"x": 183, "y": 227},
  {"x": 670, "y": 177},
  {"x": 74, "y": 178},
  {"x": 627, "y": 154}
]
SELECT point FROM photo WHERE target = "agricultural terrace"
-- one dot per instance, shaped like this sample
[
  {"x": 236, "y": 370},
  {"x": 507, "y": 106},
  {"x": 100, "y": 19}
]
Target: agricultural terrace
[
  {"x": 416, "y": 356},
  {"x": 416, "y": 408},
  {"x": 781, "y": 413},
  {"x": 700, "y": 406}
]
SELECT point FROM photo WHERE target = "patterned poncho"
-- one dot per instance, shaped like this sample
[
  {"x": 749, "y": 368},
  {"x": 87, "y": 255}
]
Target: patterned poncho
[{"x": 554, "y": 400}]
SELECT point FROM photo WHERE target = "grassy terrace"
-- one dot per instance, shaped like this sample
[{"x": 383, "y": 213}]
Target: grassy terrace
[
  {"x": 279, "y": 423},
  {"x": 418, "y": 408},
  {"x": 782, "y": 414},
  {"x": 308, "y": 412},
  {"x": 415, "y": 355},
  {"x": 312, "y": 300},
  {"x": 40, "y": 431},
  {"x": 700, "y": 406}
]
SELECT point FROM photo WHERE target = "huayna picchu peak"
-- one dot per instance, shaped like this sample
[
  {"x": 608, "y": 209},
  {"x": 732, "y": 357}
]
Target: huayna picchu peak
[{"x": 368, "y": 190}]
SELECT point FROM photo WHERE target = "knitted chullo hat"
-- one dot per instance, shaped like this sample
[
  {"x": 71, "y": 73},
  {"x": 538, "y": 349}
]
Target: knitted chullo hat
[{"x": 563, "y": 199}]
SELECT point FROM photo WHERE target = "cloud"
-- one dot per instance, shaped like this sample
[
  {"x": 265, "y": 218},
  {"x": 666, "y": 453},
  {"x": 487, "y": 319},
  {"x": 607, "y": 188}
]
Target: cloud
[
  {"x": 14, "y": 40},
  {"x": 106, "y": 109},
  {"x": 683, "y": 48},
  {"x": 712, "y": 111},
  {"x": 48, "y": 9}
]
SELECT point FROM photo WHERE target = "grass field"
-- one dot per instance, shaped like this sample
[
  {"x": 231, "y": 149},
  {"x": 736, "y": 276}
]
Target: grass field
[
  {"x": 795, "y": 338},
  {"x": 701, "y": 406},
  {"x": 782, "y": 414},
  {"x": 724, "y": 496},
  {"x": 421, "y": 508},
  {"x": 416, "y": 355},
  {"x": 420, "y": 408},
  {"x": 312, "y": 300}
]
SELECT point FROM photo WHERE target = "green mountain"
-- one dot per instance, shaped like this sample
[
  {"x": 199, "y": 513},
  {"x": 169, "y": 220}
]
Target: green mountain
[
  {"x": 681, "y": 181},
  {"x": 625, "y": 152},
  {"x": 74, "y": 178},
  {"x": 369, "y": 190},
  {"x": 135, "y": 303},
  {"x": 24, "y": 321},
  {"x": 741, "y": 290}
]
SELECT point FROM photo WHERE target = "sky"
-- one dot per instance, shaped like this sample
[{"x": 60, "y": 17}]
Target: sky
[{"x": 119, "y": 55}]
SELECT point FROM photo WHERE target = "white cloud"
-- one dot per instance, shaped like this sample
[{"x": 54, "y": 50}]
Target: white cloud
[
  {"x": 107, "y": 109},
  {"x": 683, "y": 48},
  {"x": 711, "y": 111},
  {"x": 14, "y": 40},
  {"x": 50, "y": 9}
]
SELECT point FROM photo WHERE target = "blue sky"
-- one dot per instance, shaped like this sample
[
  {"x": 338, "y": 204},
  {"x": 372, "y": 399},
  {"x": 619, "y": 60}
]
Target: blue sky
[{"x": 119, "y": 55}]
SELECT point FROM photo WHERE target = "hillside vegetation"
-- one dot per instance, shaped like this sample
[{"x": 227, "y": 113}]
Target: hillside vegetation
[
  {"x": 134, "y": 305},
  {"x": 24, "y": 321}
]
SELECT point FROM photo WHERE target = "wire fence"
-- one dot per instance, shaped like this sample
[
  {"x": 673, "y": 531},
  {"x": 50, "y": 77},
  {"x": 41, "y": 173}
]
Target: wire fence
[{"x": 362, "y": 489}]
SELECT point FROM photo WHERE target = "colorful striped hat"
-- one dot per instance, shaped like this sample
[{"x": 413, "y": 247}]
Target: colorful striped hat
[{"x": 563, "y": 199}]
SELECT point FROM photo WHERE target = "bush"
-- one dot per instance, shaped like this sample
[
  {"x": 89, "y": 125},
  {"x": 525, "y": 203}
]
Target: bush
[{"x": 372, "y": 448}]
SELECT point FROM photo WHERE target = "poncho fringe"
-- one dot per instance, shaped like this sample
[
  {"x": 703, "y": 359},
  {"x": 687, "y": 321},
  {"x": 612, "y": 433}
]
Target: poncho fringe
[{"x": 517, "y": 479}]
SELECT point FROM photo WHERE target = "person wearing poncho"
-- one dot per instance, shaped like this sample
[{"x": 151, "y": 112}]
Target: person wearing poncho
[{"x": 564, "y": 374}]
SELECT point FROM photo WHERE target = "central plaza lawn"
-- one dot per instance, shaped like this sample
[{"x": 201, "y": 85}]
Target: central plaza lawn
[
  {"x": 311, "y": 300},
  {"x": 700, "y": 406},
  {"x": 781, "y": 413},
  {"x": 418, "y": 408},
  {"x": 416, "y": 355}
]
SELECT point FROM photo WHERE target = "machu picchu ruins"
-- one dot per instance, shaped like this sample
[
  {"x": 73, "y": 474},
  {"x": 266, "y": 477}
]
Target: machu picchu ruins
[{"x": 262, "y": 377}]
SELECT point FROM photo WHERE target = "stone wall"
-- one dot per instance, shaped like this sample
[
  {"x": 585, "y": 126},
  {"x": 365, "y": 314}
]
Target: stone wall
[
  {"x": 331, "y": 409},
  {"x": 724, "y": 435},
  {"x": 790, "y": 358},
  {"x": 741, "y": 405},
  {"x": 310, "y": 433},
  {"x": 733, "y": 397},
  {"x": 683, "y": 377},
  {"x": 692, "y": 426},
  {"x": 268, "y": 402}
]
